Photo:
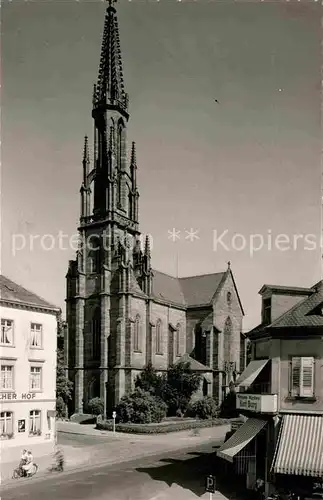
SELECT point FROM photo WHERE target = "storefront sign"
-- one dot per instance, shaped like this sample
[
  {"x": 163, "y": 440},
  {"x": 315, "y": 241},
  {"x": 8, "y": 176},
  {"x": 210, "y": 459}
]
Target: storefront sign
[
  {"x": 21, "y": 425},
  {"x": 262, "y": 403},
  {"x": 251, "y": 402},
  {"x": 13, "y": 396}
]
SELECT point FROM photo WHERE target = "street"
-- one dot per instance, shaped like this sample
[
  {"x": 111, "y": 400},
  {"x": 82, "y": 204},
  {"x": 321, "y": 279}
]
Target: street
[{"x": 179, "y": 475}]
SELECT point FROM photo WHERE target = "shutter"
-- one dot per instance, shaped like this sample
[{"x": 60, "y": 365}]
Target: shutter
[
  {"x": 307, "y": 377},
  {"x": 296, "y": 376}
]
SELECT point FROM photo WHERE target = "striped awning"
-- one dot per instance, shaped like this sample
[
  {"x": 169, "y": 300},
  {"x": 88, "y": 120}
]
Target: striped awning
[
  {"x": 251, "y": 372},
  {"x": 241, "y": 438},
  {"x": 300, "y": 446}
]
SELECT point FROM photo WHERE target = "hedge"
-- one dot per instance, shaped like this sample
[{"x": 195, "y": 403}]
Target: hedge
[{"x": 162, "y": 428}]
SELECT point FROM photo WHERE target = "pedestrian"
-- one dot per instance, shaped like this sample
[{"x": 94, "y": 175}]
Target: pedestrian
[{"x": 29, "y": 463}]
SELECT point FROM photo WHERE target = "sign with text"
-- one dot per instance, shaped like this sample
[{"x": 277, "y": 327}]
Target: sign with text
[
  {"x": 210, "y": 484},
  {"x": 13, "y": 396},
  {"x": 251, "y": 402},
  {"x": 262, "y": 403},
  {"x": 21, "y": 425}
]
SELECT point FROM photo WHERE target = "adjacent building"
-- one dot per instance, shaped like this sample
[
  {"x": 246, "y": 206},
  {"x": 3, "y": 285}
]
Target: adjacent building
[
  {"x": 122, "y": 313},
  {"x": 28, "y": 371},
  {"x": 281, "y": 393}
]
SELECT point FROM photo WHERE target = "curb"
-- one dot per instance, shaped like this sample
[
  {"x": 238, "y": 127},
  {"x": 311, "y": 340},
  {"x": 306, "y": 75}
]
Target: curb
[{"x": 8, "y": 485}]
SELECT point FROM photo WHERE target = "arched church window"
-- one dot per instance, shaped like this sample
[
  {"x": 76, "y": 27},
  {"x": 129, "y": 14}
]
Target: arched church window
[
  {"x": 94, "y": 245},
  {"x": 178, "y": 339},
  {"x": 136, "y": 334},
  {"x": 227, "y": 334},
  {"x": 96, "y": 333},
  {"x": 119, "y": 158},
  {"x": 159, "y": 337},
  {"x": 229, "y": 297}
]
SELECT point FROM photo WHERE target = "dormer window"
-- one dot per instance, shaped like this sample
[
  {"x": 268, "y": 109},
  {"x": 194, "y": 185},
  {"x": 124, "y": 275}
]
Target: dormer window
[{"x": 266, "y": 311}]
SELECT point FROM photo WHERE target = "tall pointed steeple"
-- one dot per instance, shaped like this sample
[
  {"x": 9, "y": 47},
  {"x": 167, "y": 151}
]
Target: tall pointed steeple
[{"x": 110, "y": 85}]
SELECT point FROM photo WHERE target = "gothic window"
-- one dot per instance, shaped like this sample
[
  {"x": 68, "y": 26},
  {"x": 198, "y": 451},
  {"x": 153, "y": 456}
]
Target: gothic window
[
  {"x": 229, "y": 297},
  {"x": 227, "y": 334},
  {"x": 136, "y": 334},
  {"x": 119, "y": 159},
  {"x": 95, "y": 254},
  {"x": 131, "y": 214},
  {"x": 96, "y": 334},
  {"x": 159, "y": 337},
  {"x": 178, "y": 339}
]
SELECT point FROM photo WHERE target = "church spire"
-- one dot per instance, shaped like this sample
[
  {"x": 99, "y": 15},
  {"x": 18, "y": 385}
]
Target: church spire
[{"x": 110, "y": 86}]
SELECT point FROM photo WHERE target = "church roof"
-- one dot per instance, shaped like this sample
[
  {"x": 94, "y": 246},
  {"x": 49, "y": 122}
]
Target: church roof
[
  {"x": 16, "y": 294},
  {"x": 195, "y": 366},
  {"x": 166, "y": 287},
  {"x": 199, "y": 290},
  {"x": 190, "y": 291}
]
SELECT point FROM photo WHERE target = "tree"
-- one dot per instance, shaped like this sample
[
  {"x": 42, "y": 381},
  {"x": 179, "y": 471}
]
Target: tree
[
  {"x": 150, "y": 381},
  {"x": 141, "y": 407},
  {"x": 64, "y": 386},
  {"x": 182, "y": 382}
]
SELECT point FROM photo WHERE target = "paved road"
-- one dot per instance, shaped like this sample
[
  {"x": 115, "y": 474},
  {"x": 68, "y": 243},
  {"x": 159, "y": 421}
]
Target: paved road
[{"x": 169, "y": 476}]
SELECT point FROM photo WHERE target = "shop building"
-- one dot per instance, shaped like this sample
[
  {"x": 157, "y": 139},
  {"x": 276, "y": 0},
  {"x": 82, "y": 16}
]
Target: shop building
[
  {"x": 281, "y": 394},
  {"x": 28, "y": 372}
]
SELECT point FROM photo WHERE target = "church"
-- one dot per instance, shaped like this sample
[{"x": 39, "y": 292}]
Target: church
[{"x": 122, "y": 313}]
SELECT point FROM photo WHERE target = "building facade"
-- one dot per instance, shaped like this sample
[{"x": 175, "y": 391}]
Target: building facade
[
  {"x": 281, "y": 393},
  {"x": 122, "y": 313},
  {"x": 28, "y": 372}
]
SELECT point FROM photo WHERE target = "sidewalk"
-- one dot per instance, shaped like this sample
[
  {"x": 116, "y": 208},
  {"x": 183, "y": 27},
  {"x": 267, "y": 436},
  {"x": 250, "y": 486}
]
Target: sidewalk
[{"x": 118, "y": 448}]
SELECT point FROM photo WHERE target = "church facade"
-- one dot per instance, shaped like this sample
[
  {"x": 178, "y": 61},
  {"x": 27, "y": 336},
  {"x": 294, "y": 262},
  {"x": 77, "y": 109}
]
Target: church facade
[{"x": 121, "y": 313}]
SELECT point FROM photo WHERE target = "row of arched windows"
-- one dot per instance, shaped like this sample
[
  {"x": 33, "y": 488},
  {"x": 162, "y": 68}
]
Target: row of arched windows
[{"x": 158, "y": 336}]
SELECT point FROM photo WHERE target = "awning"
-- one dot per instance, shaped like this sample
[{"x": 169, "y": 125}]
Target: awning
[
  {"x": 51, "y": 413},
  {"x": 300, "y": 446},
  {"x": 251, "y": 372},
  {"x": 246, "y": 433}
]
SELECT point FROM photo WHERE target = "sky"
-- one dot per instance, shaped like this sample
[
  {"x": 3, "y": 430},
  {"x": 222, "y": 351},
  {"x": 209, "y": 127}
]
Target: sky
[{"x": 238, "y": 179}]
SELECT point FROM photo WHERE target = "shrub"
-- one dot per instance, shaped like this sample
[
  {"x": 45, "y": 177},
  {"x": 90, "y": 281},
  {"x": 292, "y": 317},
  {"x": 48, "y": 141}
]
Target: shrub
[
  {"x": 96, "y": 406},
  {"x": 141, "y": 407},
  {"x": 161, "y": 429},
  {"x": 204, "y": 408},
  {"x": 60, "y": 408}
]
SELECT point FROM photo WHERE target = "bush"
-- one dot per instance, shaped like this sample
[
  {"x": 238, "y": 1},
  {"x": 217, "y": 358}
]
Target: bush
[
  {"x": 60, "y": 408},
  {"x": 141, "y": 407},
  {"x": 175, "y": 388},
  {"x": 96, "y": 406},
  {"x": 184, "y": 425},
  {"x": 204, "y": 408}
]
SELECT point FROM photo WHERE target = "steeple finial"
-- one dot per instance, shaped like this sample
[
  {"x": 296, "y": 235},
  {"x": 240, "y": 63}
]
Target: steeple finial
[
  {"x": 133, "y": 161},
  {"x": 229, "y": 265},
  {"x": 86, "y": 155},
  {"x": 147, "y": 246},
  {"x": 110, "y": 85}
]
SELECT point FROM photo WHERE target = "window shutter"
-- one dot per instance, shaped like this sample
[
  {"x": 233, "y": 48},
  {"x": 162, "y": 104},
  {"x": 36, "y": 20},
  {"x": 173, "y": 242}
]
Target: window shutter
[
  {"x": 307, "y": 377},
  {"x": 296, "y": 376}
]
